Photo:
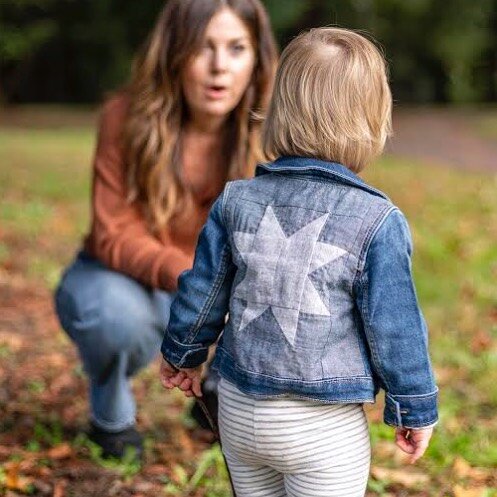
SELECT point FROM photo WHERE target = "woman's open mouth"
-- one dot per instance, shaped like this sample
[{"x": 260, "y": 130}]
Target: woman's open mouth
[{"x": 216, "y": 92}]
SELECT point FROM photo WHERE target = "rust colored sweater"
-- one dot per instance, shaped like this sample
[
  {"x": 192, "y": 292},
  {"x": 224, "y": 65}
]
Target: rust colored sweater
[{"x": 119, "y": 236}]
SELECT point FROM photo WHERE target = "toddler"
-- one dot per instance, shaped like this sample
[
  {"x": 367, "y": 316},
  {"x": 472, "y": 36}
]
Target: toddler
[{"x": 313, "y": 267}]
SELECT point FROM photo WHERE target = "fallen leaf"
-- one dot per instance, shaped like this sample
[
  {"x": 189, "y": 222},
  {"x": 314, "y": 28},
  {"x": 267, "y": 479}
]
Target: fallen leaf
[
  {"x": 144, "y": 487},
  {"x": 5, "y": 451},
  {"x": 64, "y": 381},
  {"x": 481, "y": 341},
  {"x": 61, "y": 451},
  {"x": 460, "y": 491},
  {"x": 185, "y": 442},
  {"x": 493, "y": 314},
  {"x": 56, "y": 360},
  {"x": 12, "y": 474},
  {"x": 29, "y": 462},
  {"x": 405, "y": 477},
  {"x": 115, "y": 488},
  {"x": 59, "y": 489},
  {"x": 43, "y": 487},
  {"x": 384, "y": 449},
  {"x": 155, "y": 470},
  {"x": 462, "y": 469},
  {"x": 42, "y": 471},
  {"x": 13, "y": 480}
]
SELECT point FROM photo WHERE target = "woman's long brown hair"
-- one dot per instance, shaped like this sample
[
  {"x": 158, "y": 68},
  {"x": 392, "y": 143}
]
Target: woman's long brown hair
[{"x": 152, "y": 132}]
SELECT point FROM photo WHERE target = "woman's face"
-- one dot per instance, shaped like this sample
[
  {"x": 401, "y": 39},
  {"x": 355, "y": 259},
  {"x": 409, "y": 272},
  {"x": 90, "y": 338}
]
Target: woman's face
[{"x": 217, "y": 76}]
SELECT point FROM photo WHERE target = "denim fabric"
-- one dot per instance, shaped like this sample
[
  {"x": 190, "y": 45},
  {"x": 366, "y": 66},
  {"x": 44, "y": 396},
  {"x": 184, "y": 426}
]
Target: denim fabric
[
  {"x": 117, "y": 325},
  {"x": 313, "y": 266}
]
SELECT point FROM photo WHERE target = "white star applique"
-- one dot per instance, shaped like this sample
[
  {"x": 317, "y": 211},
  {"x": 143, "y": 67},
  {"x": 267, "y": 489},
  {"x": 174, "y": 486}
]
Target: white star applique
[{"x": 278, "y": 269}]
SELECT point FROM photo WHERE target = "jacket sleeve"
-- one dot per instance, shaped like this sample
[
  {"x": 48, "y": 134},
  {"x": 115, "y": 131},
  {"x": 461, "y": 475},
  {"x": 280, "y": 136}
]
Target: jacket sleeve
[
  {"x": 120, "y": 237},
  {"x": 395, "y": 328},
  {"x": 199, "y": 310}
]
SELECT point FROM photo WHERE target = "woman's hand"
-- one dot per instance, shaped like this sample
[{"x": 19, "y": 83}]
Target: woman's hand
[
  {"x": 413, "y": 442},
  {"x": 187, "y": 379}
]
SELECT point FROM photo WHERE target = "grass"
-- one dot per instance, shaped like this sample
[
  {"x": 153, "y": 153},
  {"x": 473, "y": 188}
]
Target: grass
[{"x": 44, "y": 189}]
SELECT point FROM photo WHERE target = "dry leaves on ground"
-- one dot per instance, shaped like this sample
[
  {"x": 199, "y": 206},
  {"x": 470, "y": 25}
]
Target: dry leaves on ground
[{"x": 408, "y": 478}]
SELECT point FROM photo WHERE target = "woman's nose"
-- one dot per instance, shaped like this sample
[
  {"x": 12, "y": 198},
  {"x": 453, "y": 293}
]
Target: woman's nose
[{"x": 220, "y": 60}]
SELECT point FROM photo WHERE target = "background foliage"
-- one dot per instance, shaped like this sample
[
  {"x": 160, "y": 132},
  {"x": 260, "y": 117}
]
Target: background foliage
[{"x": 76, "y": 50}]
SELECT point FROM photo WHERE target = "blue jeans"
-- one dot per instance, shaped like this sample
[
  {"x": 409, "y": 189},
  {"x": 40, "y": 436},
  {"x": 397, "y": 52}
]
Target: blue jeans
[{"x": 117, "y": 325}]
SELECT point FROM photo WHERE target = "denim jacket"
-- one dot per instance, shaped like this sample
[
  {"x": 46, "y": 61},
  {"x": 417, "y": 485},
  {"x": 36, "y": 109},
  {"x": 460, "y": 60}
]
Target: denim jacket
[{"x": 303, "y": 274}]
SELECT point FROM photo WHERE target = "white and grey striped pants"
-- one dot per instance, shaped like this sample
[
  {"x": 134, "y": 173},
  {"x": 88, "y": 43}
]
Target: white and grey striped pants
[{"x": 291, "y": 447}]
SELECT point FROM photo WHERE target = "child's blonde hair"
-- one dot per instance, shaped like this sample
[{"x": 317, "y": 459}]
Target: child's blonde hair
[{"x": 331, "y": 99}]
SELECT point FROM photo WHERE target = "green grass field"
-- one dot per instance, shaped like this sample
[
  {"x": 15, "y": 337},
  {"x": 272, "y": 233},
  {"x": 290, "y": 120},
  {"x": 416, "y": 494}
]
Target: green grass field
[{"x": 44, "y": 188}]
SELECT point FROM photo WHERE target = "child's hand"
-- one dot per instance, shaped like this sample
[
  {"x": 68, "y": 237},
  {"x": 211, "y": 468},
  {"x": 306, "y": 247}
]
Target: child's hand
[
  {"x": 187, "y": 379},
  {"x": 167, "y": 373},
  {"x": 412, "y": 441}
]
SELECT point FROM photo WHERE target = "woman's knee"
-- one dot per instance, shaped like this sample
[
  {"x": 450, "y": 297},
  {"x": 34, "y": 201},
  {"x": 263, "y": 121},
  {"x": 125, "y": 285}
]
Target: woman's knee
[
  {"x": 128, "y": 323},
  {"x": 105, "y": 310}
]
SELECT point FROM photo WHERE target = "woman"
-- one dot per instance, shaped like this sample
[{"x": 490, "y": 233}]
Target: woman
[{"x": 166, "y": 146}]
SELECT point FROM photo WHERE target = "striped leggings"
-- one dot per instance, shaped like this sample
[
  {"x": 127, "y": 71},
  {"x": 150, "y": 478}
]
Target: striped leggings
[{"x": 291, "y": 447}]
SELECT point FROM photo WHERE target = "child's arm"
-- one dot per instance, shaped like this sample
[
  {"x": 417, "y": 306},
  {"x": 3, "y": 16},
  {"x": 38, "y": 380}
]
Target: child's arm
[
  {"x": 198, "y": 312},
  {"x": 395, "y": 328}
]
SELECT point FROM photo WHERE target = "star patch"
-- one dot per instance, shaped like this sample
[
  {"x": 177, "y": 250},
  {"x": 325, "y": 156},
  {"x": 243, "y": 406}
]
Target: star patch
[{"x": 278, "y": 269}]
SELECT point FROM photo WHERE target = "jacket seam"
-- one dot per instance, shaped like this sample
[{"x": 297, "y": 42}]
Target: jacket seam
[
  {"x": 324, "y": 211},
  {"x": 420, "y": 425},
  {"x": 370, "y": 339},
  {"x": 373, "y": 230},
  {"x": 191, "y": 347},
  {"x": 224, "y": 201},
  {"x": 324, "y": 380},
  {"x": 415, "y": 396},
  {"x": 370, "y": 234},
  {"x": 211, "y": 298},
  {"x": 217, "y": 284},
  {"x": 187, "y": 354}
]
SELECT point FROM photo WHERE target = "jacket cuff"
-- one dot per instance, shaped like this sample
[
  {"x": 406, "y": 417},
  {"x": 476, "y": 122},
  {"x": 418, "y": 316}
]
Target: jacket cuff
[
  {"x": 411, "y": 411},
  {"x": 183, "y": 355}
]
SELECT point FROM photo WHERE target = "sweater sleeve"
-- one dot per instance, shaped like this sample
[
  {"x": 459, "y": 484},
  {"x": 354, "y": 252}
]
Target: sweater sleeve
[{"x": 119, "y": 235}]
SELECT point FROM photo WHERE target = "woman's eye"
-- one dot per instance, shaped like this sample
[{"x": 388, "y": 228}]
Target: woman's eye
[{"x": 238, "y": 48}]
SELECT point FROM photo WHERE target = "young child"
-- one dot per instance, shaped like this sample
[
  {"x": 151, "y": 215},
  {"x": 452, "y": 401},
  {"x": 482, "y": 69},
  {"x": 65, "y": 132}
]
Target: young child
[{"x": 313, "y": 267}]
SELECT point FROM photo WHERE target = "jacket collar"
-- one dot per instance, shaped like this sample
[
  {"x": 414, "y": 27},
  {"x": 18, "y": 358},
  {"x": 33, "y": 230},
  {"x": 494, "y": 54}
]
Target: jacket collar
[{"x": 318, "y": 168}]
